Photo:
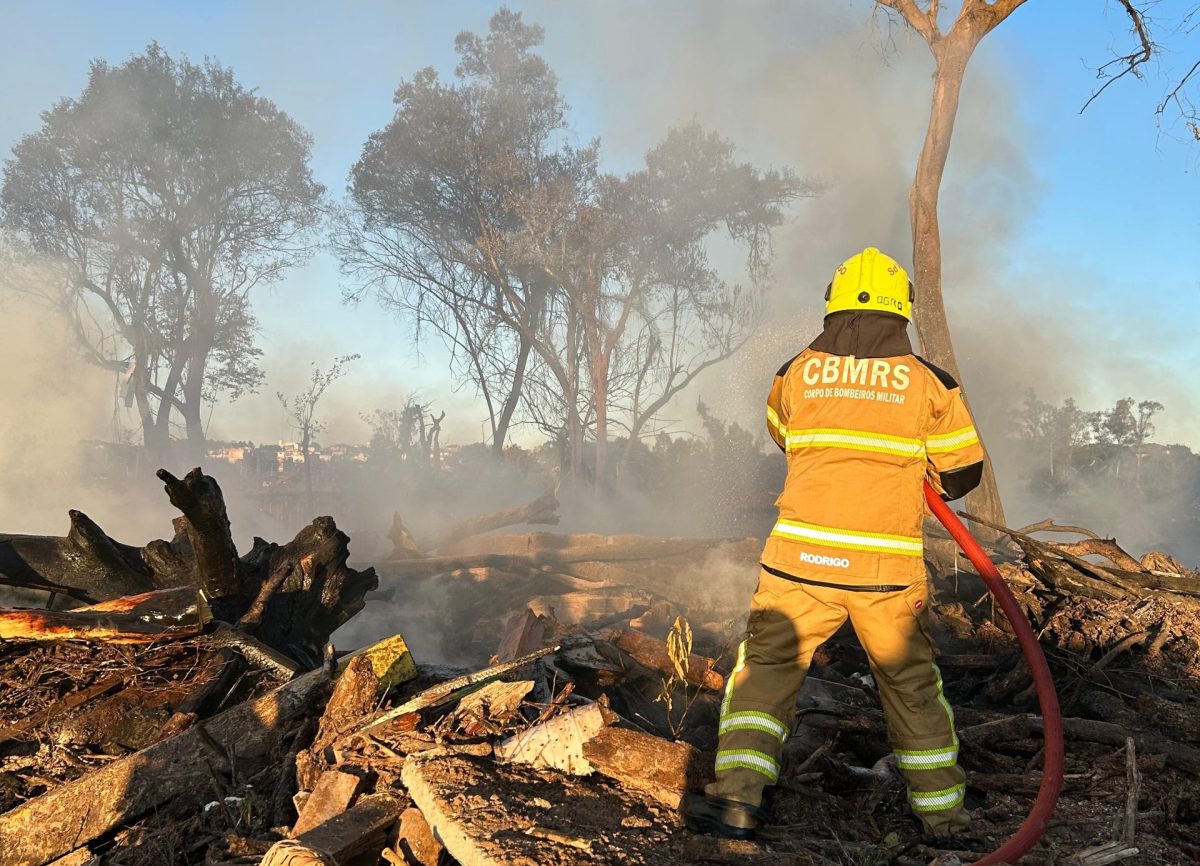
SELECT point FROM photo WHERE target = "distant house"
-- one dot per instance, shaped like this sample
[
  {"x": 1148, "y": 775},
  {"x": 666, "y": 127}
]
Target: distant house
[
  {"x": 344, "y": 451},
  {"x": 290, "y": 452},
  {"x": 228, "y": 453}
]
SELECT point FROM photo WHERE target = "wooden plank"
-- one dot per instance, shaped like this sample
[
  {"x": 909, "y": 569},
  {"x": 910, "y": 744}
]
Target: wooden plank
[
  {"x": 77, "y": 812},
  {"x": 340, "y": 839},
  {"x": 664, "y": 770},
  {"x": 416, "y": 841},
  {"x": 331, "y": 797},
  {"x": 454, "y": 689}
]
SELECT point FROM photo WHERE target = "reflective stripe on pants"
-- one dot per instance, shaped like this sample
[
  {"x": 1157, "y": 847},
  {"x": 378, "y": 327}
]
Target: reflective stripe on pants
[{"x": 788, "y": 622}]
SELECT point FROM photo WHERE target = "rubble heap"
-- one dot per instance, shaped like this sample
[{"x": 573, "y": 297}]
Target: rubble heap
[{"x": 187, "y": 708}]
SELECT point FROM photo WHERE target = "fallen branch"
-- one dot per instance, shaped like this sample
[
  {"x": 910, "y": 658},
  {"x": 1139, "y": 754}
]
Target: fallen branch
[
  {"x": 1178, "y": 755},
  {"x": 653, "y": 654},
  {"x": 144, "y": 618},
  {"x": 1133, "y": 788},
  {"x": 1117, "y": 579},
  {"x": 1106, "y": 547},
  {"x": 542, "y": 511},
  {"x": 1048, "y": 525}
]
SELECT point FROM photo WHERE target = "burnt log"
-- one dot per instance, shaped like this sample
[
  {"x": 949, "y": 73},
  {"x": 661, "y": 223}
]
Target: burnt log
[
  {"x": 144, "y": 618},
  {"x": 543, "y": 511},
  {"x": 291, "y": 596},
  {"x": 85, "y": 564},
  {"x": 205, "y": 525},
  {"x": 654, "y": 654},
  {"x": 318, "y": 593}
]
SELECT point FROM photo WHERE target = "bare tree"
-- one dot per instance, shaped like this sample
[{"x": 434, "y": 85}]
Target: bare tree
[
  {"x": 952, "y": 50},
  {"x": 165, "y": 193},
  {"x": 630, "y": 256},
  {"x": 301, "y": 410},
  {"x": 411, "y": 434}
]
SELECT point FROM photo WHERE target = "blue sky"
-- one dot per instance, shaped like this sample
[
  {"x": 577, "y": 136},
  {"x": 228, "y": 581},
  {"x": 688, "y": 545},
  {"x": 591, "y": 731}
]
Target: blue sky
[{"x": 1105, "y": 227}]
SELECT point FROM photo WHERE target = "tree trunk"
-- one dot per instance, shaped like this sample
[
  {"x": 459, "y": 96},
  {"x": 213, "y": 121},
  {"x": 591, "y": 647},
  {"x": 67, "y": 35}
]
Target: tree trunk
[
  {"x": 193, "y": 401},
  {"x": 933, "y": 330},
  {"x": 571, "y": 399},
  {"x": 154, "y": 440},
  {"x": 308, "y": 485},
  {"x": 162, "y": 423},
  {"x": 513, "y": 398},
  {"x": 600, "y": 402}
]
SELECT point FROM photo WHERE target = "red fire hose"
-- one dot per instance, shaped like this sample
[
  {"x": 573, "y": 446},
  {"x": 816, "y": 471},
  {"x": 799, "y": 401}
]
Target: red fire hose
[{"x": 1034, "y": 825}]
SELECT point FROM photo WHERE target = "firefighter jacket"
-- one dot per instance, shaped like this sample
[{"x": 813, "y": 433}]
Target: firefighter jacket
[{"x": 863, "y": 421}]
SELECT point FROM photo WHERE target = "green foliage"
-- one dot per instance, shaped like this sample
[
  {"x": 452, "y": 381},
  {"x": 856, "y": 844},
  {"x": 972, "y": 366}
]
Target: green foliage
[
  {"x": 163, "y": 195},
  {"x": 1066, "y": 442},
  {"x": 1102, "y": 469},
  {"x": 571, "y": 298}
]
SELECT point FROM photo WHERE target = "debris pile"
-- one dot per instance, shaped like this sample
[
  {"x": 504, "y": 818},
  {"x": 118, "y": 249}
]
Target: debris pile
[{"x": 188, "y": 709}]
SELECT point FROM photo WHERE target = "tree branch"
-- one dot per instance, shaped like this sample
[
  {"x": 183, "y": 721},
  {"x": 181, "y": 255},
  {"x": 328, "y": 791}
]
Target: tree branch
[
  {"x": 1173, "y": 96},
  {"x": 924, "y": 23},
  {"x": 1130, "y": 63}
]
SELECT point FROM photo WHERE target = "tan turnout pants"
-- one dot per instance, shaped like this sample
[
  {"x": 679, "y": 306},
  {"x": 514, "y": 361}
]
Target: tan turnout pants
[{"x": 788, "y": 621}]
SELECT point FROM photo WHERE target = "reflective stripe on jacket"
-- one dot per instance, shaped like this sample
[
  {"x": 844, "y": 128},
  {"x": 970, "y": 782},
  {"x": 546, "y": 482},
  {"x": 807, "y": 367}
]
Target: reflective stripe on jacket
[{"x": 860, "y": 435}]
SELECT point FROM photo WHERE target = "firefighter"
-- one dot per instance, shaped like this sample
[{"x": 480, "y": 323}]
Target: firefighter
[{"x": 863, "y": 422}]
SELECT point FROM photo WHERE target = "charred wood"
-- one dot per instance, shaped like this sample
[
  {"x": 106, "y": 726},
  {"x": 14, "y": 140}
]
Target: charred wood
[
  {"x": 75, "y": 813},
  {"x": 653, "y": 654},
  {"x": 543, "y": 511},
  {"x": 144, "y": 618}
]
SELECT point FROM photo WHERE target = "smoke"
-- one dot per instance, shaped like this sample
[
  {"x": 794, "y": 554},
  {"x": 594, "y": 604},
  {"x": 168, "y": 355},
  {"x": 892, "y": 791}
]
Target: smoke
[
  {"x": 53, "y": 398},
  {"x": 836, "y": 92},
  {"x": 830, "y": 90}
]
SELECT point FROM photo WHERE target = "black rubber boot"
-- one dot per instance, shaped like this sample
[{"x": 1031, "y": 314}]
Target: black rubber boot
[{"x": 728, "y": 819}]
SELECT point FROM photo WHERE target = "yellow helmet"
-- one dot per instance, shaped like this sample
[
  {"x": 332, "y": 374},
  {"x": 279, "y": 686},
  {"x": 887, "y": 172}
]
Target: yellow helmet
[{"x": 870, "y": 281}]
